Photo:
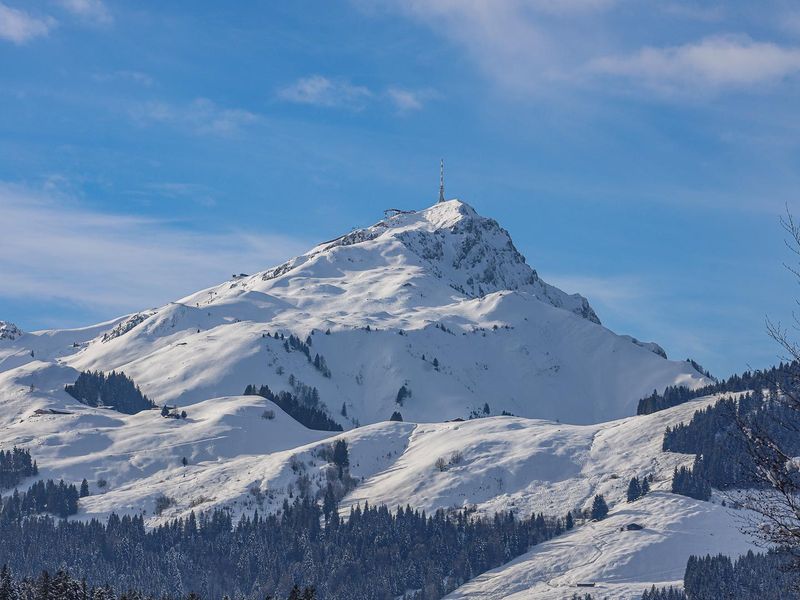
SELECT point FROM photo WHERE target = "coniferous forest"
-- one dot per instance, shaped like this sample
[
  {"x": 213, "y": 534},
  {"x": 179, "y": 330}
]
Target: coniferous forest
[
  {"x": 306, "y": 412},
  {"x": 375, "y": 553},
  {"x": 751, "y": 576},
  {"x": 15, "y": 464},
  {"x": 761, "y": 576},
  {"x": 62, "y": 586},
  {"x": 715, "y": 437},
  {"x": 114, "y": 390},
  {"x": 768, "y": 379},
  {"x": 59, "y": 499}
]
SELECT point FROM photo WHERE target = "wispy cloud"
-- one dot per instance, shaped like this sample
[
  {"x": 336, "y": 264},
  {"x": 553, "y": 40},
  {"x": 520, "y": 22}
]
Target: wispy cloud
[
  {"x": 201, "y": 116},
  {"x": 505, "y": 39},
  {"x": 19, "y": 27},
  {"x": 322, "y": 91},
  {"x": 714, "y": 63},
  {"x": 541, "y": 47},
  {"x": 408, "y": 100},
  {"x": 318, "y": 90},
  {"x": 53, "y": 248},
  {"x": 94, "y": 11},
  {"x": 634, "y": 305},
  {"x": 616, "y": 292}
]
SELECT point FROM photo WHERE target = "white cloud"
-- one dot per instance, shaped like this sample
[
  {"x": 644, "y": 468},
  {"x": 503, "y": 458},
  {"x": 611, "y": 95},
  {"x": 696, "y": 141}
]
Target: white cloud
[
  {"x": 94, "y": 11},
  {"x": 317, "y": 90},
  {"x": 53, "y": 248},
  {"x": 517, "y": 43},
  {"x": 404, "y": 100},
  {"x": 407, "y": 100},
  {"x": 711, "y": 64},
  {"x": 201, "y": 116},
  {"x": 321, "y": 91},
  {"x": 533, "y": 48},
  {"x": 19, "y": 27}
]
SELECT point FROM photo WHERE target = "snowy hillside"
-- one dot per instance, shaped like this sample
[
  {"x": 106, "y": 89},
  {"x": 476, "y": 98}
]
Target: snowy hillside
[
  {"x": 439, "y": 301},
  {"x": 621, "y": 564},
  {"x": 240, "y": 460},
  {"x": 433, "y": 314}
]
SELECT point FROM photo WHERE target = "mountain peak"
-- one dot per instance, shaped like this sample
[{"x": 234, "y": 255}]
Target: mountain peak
[
  {"x": 445, "y": 253},
  {"x": 9, "y": 331},
  {"x": 448, "y": 213}
]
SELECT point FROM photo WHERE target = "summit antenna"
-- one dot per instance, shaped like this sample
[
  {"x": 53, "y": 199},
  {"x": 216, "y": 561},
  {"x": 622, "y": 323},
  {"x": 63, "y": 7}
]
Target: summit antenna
[{"x": 441, "y": 180}]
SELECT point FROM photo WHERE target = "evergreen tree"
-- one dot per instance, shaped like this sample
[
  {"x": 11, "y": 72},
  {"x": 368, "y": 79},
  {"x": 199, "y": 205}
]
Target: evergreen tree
[
  {"x": 688, "y": 482},
  {"x": 84, "y": 491},
  {"x": 599, "y": 508},
  {"x": 634, "y": 489},
  {"x": 341, "y": 456},
  {"x": 402, "y": 394}
]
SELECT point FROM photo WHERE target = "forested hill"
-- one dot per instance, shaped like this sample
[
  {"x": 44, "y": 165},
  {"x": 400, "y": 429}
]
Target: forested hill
[{"x": 779, "y": 377}]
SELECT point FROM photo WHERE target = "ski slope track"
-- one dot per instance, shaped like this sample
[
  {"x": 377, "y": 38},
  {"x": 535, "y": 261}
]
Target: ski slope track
[{"x": 438, "y": 302}]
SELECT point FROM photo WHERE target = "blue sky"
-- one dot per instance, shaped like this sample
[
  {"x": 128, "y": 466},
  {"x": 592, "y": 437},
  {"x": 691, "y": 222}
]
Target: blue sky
[{"x": 639, "y": 153}]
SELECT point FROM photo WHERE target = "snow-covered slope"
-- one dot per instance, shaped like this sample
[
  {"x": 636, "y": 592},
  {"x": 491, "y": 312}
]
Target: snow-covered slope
[
  {"x": 621, "y": 564},
  {"x": 239, "y": 460},
  {"x": 501, "y": 463},
  {"x": 439, "y": 301}
]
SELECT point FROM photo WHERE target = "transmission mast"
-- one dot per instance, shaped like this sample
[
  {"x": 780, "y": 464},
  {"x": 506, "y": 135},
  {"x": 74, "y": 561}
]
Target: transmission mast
[{"x": 441, "y": 180}]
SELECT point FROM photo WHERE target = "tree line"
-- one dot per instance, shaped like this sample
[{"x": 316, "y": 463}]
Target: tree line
[
  {"x": 373, "y": 554},
  {"x": 766, "y": 576},
  {"x": 115, "y": 390},
  {"x": 62, "y": 586},
  {"x": 716, "y": 435},
  {"x": 15, "y": 465},
  {"x": 59, "y": 499},
  {"x": 771, "y": 379},
  {"x": 312, "y": 417}
]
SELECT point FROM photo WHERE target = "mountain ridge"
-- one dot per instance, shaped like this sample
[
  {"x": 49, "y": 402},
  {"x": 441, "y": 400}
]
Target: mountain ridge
[
  {"x": 437, "y": 304},
  {"x": 438, "y": 301}
]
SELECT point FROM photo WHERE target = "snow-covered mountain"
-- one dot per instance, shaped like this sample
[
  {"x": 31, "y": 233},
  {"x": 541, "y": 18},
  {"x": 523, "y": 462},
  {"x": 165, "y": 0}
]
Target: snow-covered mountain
[
  {"x": 9, "y": 331},
  {"x": 240, "y": 461},
  {"x": 438, "y": 301}
]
